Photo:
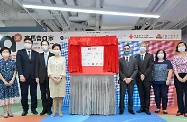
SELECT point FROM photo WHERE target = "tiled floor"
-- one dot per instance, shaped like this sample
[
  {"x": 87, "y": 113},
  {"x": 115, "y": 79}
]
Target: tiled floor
[{"x": 126, "y": 117}]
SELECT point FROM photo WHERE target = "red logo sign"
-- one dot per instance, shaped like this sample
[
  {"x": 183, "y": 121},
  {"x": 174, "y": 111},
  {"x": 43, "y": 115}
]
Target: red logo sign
[
  {"x": 131, "y": 36},
  {"x": 17, "y": 37},
  {"x": 158, "y": 36}
]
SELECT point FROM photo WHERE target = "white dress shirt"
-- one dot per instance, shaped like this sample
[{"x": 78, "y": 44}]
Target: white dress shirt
[{"x": 127, "y": 57}]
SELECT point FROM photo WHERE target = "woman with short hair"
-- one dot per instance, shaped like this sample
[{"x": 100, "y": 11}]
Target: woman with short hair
[
  {"x": 9, "y": 92},
  {"x": 57, "y": 78},
  {"x": 162, "y": 72}
]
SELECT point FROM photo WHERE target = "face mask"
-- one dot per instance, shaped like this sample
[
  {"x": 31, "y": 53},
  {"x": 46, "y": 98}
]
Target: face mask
[
  {"x": 126, "y": 52},
  {"x": 27, "y": 46},
  {"x": 5, "y": 55},
  {"x": 160, "y": 55},
  {"x": 56, "y": 52},
  {"x": 44, "y": 48},
  {"x": 142, "y": 49},
  {"x": 181, "y": 49}
]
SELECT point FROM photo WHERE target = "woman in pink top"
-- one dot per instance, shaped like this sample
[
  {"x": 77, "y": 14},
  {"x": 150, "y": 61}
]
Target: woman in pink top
[{"x": 180, "y": 78}]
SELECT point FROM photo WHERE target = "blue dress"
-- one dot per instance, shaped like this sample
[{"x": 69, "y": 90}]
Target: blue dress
[{"x": 8, "y": 94}]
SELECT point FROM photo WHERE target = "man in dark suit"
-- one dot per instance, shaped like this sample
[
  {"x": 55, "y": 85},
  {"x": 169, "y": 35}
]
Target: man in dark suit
[
  {"x": 25, "y": 62},
  {"x": 42, "y": 77},
  {"x": 127, "y": 73},
  {"x": 144, "y": 77}
]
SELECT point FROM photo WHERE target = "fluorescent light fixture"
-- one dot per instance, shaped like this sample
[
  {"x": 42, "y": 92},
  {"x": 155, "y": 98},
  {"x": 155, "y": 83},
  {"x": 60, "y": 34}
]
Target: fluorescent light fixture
[{"x": 47, "y": 6}]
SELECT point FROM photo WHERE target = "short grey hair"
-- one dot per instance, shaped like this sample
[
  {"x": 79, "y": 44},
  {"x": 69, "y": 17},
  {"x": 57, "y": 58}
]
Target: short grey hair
[{"x": 144, "y": 43}]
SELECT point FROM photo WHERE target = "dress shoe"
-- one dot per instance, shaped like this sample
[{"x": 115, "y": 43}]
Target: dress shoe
[
  {"x": 165, "y": 112},
  {"x": 157, "y": 110},
  {"x": 34, "y": 112},
  {"x": 43, "y": 112},
  {"x": 24, "y": 113},
  {"x": 147, "y": 112},
  {"x": 140, "y": 111},
  {"x": 179, "y": 113},
  {"x": 185, "y": 115},
  {"x": 121, "y": 112},
  {"x": 131, "y": 112},
  {"x": 49, "y": 112}
]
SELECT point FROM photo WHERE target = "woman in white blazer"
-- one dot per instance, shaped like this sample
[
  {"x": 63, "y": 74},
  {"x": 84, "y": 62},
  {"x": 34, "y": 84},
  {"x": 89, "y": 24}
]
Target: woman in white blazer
[{"x": 57, "y": 78}]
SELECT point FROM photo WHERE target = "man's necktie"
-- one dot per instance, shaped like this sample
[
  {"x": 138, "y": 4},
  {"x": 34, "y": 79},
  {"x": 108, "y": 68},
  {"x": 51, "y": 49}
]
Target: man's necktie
[
  {"x": 29, "y": 54},
  {"x": 142, "y": 60},
  {"x": 127, "y": 61}
]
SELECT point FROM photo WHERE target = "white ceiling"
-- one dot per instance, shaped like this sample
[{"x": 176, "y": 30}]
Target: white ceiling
[{"x": 173, "y": 15}]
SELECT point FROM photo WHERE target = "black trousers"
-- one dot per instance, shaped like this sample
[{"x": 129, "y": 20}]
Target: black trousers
[
  {"x": 33, "y": 93},
  {"x": 130, "y": 90},
  {"x": 161, "y": 93},
  {"x": 45, "y": 95},
  {"x": 144, "y": 93},
  {"x": 181, "y": 90}
]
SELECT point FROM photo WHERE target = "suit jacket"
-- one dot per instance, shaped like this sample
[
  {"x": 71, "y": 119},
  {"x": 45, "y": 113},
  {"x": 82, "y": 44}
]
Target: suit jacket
[
  {"x": 129, "y": 71},
  {"x": 41, "y": 69},
  {"x": 145, "y": 68},
  {"x": 26, "y": 66}
]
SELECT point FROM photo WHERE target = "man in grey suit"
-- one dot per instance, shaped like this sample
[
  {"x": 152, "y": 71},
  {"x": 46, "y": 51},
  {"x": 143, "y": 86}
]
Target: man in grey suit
[
  {"x": 144, "y": 77},
  {"x": 127, "y": 73}
]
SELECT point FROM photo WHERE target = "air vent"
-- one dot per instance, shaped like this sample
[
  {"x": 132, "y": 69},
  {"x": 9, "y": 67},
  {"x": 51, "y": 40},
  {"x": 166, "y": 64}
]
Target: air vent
[
  {"x": 90, "y": 30},
  {"x": 79, "y": 22}
]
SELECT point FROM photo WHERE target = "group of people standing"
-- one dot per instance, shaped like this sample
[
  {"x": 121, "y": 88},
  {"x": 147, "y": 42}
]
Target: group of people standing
[
  {"x": 145, "y": 71},
  {"x": 46, "y": 69},
  {"x": 49, "y": 70}
]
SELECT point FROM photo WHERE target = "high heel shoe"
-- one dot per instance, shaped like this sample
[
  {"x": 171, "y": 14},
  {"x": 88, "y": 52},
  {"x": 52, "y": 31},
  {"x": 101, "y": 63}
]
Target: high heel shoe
[
  {"x": 10, "y": 115},
  {"x": 5, "y": 115},
  {"x": 60, "y": 114},
  {"x": 53, "y": 115}
]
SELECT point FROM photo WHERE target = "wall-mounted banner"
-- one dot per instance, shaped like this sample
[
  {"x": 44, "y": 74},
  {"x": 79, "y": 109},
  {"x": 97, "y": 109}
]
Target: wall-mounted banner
[{"x": 14, "y": 40}]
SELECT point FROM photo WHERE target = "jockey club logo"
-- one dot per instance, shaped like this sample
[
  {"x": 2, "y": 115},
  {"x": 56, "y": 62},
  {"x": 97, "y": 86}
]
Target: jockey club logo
[
  {"x": 167, "y": 36},
  {"x": 158, "y": 36}
]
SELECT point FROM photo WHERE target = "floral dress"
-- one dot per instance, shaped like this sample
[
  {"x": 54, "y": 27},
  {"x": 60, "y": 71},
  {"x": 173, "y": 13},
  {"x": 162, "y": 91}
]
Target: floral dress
[{"x": 8, "y": 94}]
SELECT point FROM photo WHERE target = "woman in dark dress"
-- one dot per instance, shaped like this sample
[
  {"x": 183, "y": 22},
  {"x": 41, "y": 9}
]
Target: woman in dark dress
[{"x": 9, "y": 92}]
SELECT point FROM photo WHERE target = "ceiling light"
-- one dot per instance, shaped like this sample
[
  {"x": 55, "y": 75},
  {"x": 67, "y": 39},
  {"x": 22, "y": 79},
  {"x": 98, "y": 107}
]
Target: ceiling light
[{"x": 46, "y": 6}]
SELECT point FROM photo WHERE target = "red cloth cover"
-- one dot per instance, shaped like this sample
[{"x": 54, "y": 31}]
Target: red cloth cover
[{"x": 110, "y": 44}]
